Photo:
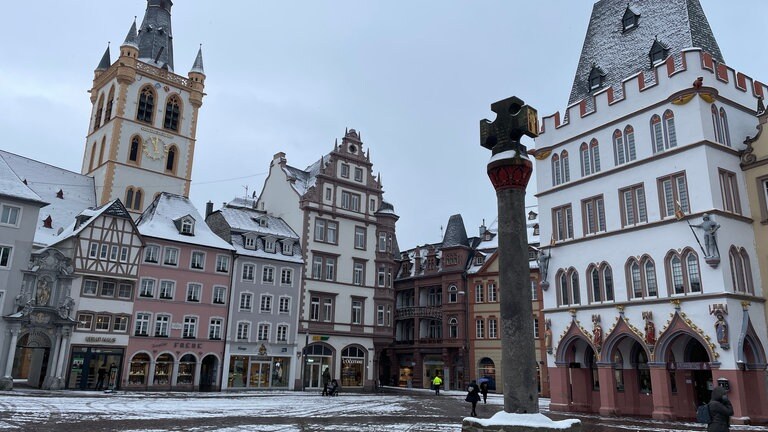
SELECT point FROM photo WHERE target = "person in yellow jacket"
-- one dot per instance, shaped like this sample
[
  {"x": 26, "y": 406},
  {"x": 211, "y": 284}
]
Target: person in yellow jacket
[{"x": 436, "y": 383}]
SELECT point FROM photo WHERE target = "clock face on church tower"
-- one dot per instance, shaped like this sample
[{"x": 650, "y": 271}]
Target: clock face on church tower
[{"x": 154, "y": 147}]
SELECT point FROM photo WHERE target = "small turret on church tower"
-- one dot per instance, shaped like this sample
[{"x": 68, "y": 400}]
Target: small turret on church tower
[{"x": 141, "y": 136}]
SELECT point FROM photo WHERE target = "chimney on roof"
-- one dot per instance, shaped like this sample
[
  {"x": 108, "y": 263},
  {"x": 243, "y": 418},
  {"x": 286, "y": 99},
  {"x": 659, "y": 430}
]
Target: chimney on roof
[
  {"x": 483, "y": 228},
  {"x": 208, "y": 208}
]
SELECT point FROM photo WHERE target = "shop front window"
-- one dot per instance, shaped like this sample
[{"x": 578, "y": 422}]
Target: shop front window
[
  {"x": 138, "y": 372},
  {"x": 186, "y": 370},
  {"x": 237, "y": 370},
  {"x": 352, "y": 367},
  {"x": 163, "y": 370},
  {"x": 280, "y": 368}
]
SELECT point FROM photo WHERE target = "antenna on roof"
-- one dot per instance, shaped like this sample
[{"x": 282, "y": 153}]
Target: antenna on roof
[
  {"x": 441, "y": 232},
  {"x": 246, "y": 191}
]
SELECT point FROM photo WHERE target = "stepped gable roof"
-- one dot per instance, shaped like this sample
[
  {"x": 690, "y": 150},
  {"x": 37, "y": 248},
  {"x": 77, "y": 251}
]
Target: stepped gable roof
[
  {"x": 11, "y": 185},
  {"x": 620, "y": 53},
  {"x": 68, "y": 193},
  {"x": 455, "y": 233},
  {"x": 159, "y": 221},
  {"x": 246, "y": 220}
]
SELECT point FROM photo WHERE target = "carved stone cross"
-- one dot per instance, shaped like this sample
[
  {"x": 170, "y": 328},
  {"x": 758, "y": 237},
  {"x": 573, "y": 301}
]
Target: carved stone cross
[{"x": 513, "y": 120}]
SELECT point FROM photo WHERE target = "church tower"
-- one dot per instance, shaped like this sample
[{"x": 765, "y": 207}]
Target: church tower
[{"x": 141, "y": 134}]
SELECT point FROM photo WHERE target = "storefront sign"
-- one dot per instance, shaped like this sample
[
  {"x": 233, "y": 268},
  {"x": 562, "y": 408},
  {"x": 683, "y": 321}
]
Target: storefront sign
[
  {"x": 349, "y": 361},
  {"x": 100, "y": 339},
  {"x": 689, "y": 365},
  {"x": 187, "y": 345}
]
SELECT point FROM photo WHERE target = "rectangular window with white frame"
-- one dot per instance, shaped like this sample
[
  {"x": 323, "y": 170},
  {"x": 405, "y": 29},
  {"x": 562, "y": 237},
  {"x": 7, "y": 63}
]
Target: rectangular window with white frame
[
  {"x": 167, "y": 287},
  {"x": 248, "y": 271},
  {"x": 493, "y": 332},
  {"x": 286, "y": 277},
  {"x": 152, "y": 254},
  {"x": 344, "y": 170},
  {"x": 535, "y": 327},
  {"x": 243, "y": 331},
  {"x": 121, "y": 324},
  {"x": 90, "y": 287},
  {"x": 350, "y": 201},
  {"x": 480, "y": 328},
  {"x": 326, "y": 231},
  {"x": 219, "y": 294},
  {"x": 729, "y": 191},
  {"x": 328, "y": 309},
  {"x": 142, "y": 324},
  {"x": 479, "y": 293},
  {"x": 358, "y": 272},
  {"x": 103, "y": 323},
  {"x": 147, "y": 288},
  {"x": 84, "y": 321},
  {"x": 189, "y": 328},
  {"x": 593, "y": 215},
  {"x": 108, "y": 289},
  {"x": 562, "y": 222},
  {"x": 284, "y": 306},
  {"x": 124, "y": 254},
  {"x": 214, "y": 328},
  {"x": 380, "y": 315},
  {"x": 492, "y": 292},
  {"x": 125, "y": 291},
  {"x": 263, "y": 332},
  {"x": 197, "y": 260},
  {"x": 194, "y": 290},
  {"x": 360, "y": 237},
  {"x": 171, "y": 257},
  {"x": 10, "y": 215},
  {"x": 534, "y": 292},
  {"x": 113, "y": 253},
  {"x": 357, "y": 311},
  {"x": 222, "y": 264},
  {"x": 93, "y": 250},
  {"x": 282, "y": 333},
  {"x": 104, "y": 252},
  {"x": 265, "y": 303},
  {"x": 162, "y": 325},
  {"x": 633, "y": 207},
  {"x": 673, "y": 195},
  {"x": 268, "y": 275},
  {"x": 314, "y": 309},
  {"x": 246, "y": 301},
  {"x": 359, "y": 174}
]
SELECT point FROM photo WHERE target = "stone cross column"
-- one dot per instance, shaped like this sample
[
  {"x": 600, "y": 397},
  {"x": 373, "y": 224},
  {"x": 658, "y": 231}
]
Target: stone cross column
[{"x": 509, "y": 171}]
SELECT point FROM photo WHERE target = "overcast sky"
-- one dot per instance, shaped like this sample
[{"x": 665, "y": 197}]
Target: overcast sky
[{"x": 414, "y": 77}]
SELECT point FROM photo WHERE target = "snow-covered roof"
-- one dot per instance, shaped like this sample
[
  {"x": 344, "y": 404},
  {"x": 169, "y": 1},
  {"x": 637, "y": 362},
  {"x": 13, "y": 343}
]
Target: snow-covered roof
[
  {"x": 249, "y": 220},
  {"x": 259, "y": 252},
  {"x": 158, "y": 221},
  {"x": 78, "y": 193},
  {"x": 11, "y": 185},
  {"x": 305, "y": 179},
  {"x": 82, "y": 220}
]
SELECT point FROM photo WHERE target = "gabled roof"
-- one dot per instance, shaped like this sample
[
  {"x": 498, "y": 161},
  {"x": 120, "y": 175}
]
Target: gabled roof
[
  {"x": 87, "y": 216},
  {"x": 78, "y": 193},
  {"x": 247, "y": 220},
  {"x": 11, "y": 185},
  {"x": 158, "y": 221},
  {"x": 305, "y": 179},
  {"x": 680, "y": 24}
]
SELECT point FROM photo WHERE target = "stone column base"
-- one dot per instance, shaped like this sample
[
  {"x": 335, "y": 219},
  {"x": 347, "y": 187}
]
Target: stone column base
[
  {"x": 53, "y": 383},
  {"x": 506, "y": 422},
  {"x": 6, "y": 383}
]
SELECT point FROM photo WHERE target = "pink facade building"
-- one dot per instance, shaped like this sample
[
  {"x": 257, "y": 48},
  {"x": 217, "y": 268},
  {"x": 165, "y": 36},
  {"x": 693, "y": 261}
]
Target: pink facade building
[{"x": 180, "y": 309}]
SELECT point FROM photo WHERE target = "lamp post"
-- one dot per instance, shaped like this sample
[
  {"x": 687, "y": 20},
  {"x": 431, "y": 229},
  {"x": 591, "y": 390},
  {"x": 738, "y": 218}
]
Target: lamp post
[{"x": 510, "y": 170}]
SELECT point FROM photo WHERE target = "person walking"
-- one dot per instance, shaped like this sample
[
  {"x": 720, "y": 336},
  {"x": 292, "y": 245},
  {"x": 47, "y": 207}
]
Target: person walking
[
  {"x": 484, "y": 391},
  {"x": 720, "y": 411},
  {"x": 326, "y": 381},
  {"x": 101, "y": 375},
  {"x": 473, "y": 396},
  {"x": 436, "y": 383}
]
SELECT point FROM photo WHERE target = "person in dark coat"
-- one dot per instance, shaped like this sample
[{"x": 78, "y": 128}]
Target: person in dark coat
[
  {"x": 484, "y": 391},
  {"x": 473, "y": 396},
  {"x": 720, "y": 411}
]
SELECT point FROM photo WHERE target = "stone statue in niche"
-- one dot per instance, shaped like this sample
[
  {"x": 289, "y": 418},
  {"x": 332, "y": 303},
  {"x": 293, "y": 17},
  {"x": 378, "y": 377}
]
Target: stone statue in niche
[
  {"x": 548, "y": 335},
  {"x": 721, "y": 325},
  {"x": 709, "y": 227},
  {"x": 597, "y": 332},
  {"x": 43, "y": 292},
  {"x": 650, "y": 328},
  {"x": 66, "y": 307}
]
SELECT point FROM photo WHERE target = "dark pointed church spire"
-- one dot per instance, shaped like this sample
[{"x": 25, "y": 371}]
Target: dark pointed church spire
[
  {"x": 132, "y": 38},
  {"x": 105, "y": 62},
  {"x": 155, "y": 36},
  {"x": 198, "y": 65}
]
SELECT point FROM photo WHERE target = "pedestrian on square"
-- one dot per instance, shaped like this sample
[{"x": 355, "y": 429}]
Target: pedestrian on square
[
  {"x": 720, "y": 411},
  {"x": 436, "y": 383},
  {"x": 473, "y": 396},
  {"x": 484, "y": 390},
  {"x": 326, "y": 381}
]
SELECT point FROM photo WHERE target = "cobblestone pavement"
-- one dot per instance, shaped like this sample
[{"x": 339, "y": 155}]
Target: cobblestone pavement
[{"x": 392, "y": 410}]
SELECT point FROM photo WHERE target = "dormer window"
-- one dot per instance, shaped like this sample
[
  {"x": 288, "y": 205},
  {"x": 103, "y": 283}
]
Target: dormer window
[
  {"x": 596, "y": 77},
  {"x": 287, "y": 248},
  {"x": 536, "y": 229},
  {"x": 269, "y": 245},
  {"x": 630, "y": 19},
  {"x": 658, "y": 52},
  {"x": 187, "y": 226},
  {"x": 250, "y": 243},
  {"x": 263, "y": 222},
  {"x": 479, "y": 260}
]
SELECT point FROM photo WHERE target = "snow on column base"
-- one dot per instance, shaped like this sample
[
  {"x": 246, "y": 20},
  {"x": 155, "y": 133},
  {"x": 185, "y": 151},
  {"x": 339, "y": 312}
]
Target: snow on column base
[
  {"x": 508, "y": 422},
  {"x": 6, "y": 383}
]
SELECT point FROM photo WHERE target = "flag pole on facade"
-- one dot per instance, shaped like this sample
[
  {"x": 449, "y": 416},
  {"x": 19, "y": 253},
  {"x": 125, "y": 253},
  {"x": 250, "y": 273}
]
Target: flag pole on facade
[{"x": 679, "y": 214}]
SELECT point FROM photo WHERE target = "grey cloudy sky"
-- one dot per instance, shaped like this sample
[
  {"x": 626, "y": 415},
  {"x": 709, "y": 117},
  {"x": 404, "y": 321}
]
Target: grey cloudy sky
[{"x": 414, "y": 77}]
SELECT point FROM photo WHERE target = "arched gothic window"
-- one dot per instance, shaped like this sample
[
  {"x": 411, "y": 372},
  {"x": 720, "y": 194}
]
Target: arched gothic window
[
  {"x": 93, "y": 157},
  {"x": 568, "y": 287},
  {"x": 641, "y": 278},
  {"x": 565, "y": 167},
  {"x": 133, "y": 198},
  {"x": 741, "y": 271},
  {"x": 590, "y": 158},
  {"x": 556, "y": 172},
  {"x": 135, "y": 150},
  {"x": 146, "y": 105},
  {"x": 670, "y": 136},
  {"x": 624, "y": 145},
  {"x": 724, "y": 124},
  {"x": 657, "y": 134},
  {"x": 97, "y": 115},
  {"x": 102, "y": 149},
  {"x": 683, "y": 272},
  {"x": 600, "y": 280},
  {"x": 110, "y": 101},
  {"x": 720, "y": 125},
  {"x": 170, "y": 161},
  {"x": 171, "y": 120}
]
